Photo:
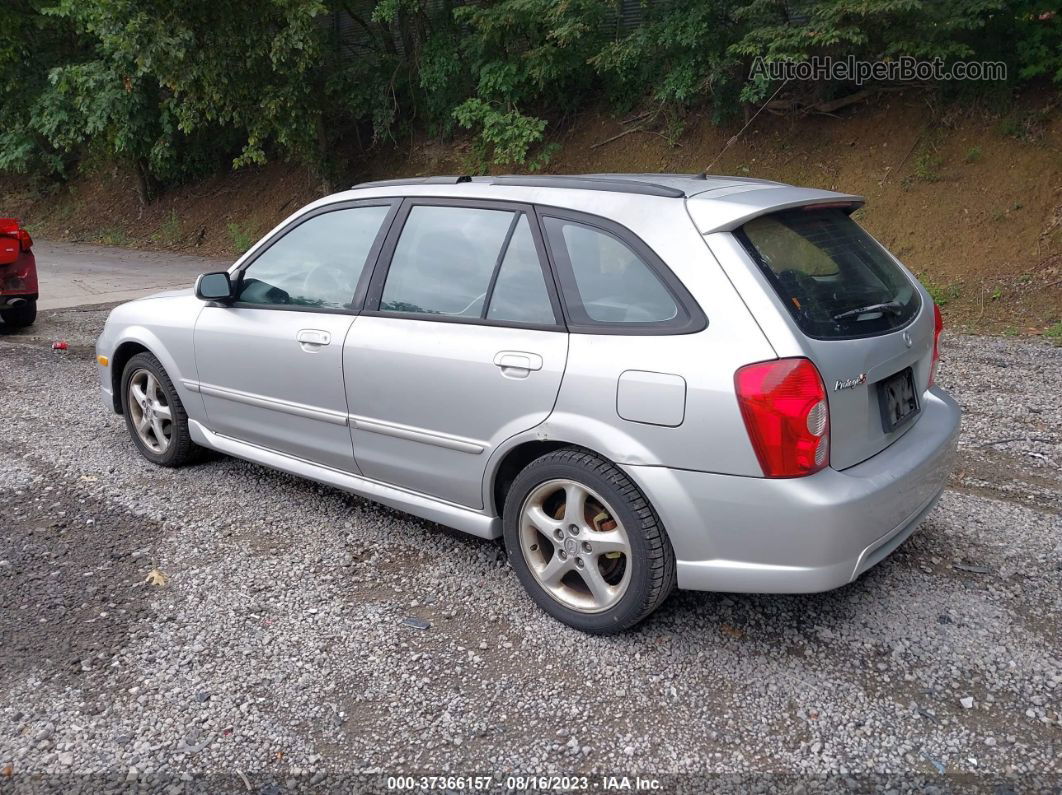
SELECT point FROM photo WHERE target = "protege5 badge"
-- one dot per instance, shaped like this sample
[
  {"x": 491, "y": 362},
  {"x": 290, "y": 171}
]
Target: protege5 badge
[{"x": 849, "y": 383}]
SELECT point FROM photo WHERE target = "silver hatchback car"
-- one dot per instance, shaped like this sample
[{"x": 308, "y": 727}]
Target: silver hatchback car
[{"x": 640, "y": 381}]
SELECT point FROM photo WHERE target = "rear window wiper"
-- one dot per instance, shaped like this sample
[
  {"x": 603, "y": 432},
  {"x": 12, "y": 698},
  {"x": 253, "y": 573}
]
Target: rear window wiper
[{"x": 894, "y": 307}]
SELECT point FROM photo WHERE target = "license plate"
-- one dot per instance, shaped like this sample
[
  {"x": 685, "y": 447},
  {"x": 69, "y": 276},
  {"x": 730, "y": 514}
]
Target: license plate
[{"x": 898, "y": 400}]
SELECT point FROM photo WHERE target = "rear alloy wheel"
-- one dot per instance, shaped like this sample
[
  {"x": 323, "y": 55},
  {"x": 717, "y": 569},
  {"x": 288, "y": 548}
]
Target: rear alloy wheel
[
  {"x": 154, "y": 413},
  {"x": 574, "y": 546},
  {"x": 586, "y": 543},
  {"x": 20, "y": 316}
]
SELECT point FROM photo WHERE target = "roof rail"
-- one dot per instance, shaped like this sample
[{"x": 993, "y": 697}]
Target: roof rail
[
  {"x": 607, "y": 183},
  {"x": 633, "y": 174},
  {"x": 615, "y": 184},
  {"x": 385, "y": 183}
]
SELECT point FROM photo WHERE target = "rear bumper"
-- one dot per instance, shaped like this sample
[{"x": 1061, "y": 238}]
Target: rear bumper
[
  {"x": 9, "y": 300},
  {"x": 800, "y": 535}
]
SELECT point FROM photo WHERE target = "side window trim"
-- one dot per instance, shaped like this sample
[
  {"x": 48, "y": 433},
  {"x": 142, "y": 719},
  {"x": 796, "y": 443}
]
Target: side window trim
[
  {"x": 374, "y": 292},
  {"x": 691, "y": 318},
  {"x": 498, "y": 264},
  {"x": 360, "y": 290}
]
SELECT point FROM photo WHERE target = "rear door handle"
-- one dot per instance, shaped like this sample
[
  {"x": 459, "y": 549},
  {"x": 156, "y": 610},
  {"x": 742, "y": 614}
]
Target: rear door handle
[
  {"x": 517, "y": 364},
  {"x": 312, "y": 339}
]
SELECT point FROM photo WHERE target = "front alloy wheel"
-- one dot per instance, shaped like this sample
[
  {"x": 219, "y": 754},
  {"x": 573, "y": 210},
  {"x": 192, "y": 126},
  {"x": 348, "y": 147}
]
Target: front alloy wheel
[
  {"x": 154, "y": 414},
  {"x": 150, "y": 411}
]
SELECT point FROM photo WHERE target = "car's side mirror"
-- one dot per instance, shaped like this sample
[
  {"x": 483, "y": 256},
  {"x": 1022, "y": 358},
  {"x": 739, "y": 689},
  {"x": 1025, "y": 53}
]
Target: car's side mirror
[{"x": 214, "y": 287}]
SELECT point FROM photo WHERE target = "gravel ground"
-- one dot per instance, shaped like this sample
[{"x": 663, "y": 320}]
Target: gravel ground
[{"x": 275, "y": 653}]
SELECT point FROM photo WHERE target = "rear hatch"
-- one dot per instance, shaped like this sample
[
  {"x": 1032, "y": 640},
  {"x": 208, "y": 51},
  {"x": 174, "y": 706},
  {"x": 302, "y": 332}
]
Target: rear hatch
[{"x": 861, "y": 319}]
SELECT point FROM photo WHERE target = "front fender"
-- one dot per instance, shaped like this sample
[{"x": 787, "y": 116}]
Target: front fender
[{"x": 170, "y": 341}]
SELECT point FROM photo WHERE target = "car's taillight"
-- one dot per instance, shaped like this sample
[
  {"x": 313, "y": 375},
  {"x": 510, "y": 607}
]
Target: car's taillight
[
  {"x": 938, "y": 326},
  {"x": 784, "y": 406},
  {"x": 9, "y": 228}
]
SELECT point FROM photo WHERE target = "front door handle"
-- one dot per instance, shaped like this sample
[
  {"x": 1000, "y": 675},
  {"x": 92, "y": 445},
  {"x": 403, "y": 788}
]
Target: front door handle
[
  {"x": 312, "y": 339},
  {"x": 517, "y": 364}
]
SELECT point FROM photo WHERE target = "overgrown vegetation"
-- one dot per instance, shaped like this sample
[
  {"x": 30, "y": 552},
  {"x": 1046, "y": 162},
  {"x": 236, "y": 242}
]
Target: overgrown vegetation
[
  {"x": 175, "y": 88},
  {"x": 940, "y": 293},
  {"x": 170, "y": 231},
  {"x": 242, "y": 238}
]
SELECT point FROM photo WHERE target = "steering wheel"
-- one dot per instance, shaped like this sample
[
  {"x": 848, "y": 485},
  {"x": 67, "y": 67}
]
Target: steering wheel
[{"x": 326, "y": 278}]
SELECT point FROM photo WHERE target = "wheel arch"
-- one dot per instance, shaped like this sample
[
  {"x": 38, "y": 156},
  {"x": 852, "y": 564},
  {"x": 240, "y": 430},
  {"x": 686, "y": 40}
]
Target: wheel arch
[
  {"x": 139, "y": 339},
  {"x": 511, "y": 462},
  {"x": 603, "y": 439},
  {"x": 606, "y": 439},
  {"x": 122, "y": 354}
]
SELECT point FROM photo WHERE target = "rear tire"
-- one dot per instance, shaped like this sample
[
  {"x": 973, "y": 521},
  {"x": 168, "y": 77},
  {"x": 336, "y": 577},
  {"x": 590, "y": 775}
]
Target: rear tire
[
  {"x": 586, "y": 543},
  {"x": 154, "y": 415},
  {"x": 20, "y": 316}
]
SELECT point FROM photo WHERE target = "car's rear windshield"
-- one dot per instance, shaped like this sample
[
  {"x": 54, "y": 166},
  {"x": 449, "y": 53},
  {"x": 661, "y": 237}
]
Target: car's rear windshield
[{"x": 833, "y": 277}]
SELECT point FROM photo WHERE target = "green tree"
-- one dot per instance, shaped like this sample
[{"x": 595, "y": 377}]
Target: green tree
[
  {"x": 526, "y": 55},
  {"x": 678, "y": 56},
  {"x": 177, "y": 87},
  {"x": 866, "y": 29},
  {"x": 30, "y": 45},
  {"x": 251, "y": 68}
]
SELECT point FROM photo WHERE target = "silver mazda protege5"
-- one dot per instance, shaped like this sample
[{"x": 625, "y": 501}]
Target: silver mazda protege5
[{"x": 639, "y": 381}]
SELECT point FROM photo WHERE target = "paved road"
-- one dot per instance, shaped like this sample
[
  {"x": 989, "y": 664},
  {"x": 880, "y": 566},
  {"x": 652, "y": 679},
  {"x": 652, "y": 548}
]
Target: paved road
[{"x": 75, "y": 274}]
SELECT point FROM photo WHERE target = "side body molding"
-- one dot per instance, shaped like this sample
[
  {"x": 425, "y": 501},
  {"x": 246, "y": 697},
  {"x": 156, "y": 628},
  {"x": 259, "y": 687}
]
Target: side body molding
[{"x": 477, "y": 523}]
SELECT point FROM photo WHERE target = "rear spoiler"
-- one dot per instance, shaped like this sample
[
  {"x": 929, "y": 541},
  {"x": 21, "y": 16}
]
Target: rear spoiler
[{"x": 726, "y": 210}]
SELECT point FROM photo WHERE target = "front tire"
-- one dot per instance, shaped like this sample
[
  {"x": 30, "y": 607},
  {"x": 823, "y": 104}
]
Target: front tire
[
  {"x": 154, "y": 415},
  {"x": 20, "y": 316},
  {"x": 586, "y": 543}
]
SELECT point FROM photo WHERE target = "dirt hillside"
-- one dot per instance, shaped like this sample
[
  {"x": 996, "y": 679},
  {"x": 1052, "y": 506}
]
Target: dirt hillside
[{"x": 972, "y": 201}]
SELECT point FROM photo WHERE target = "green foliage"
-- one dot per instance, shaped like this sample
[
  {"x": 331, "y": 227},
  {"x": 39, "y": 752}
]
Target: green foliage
[
  {"x": 112, "y": 236},
  {"x": 524, "y": 53},
  {"x": 169, "y": 69},
  {"x": 170, "y": 231},
  {"x": 926, "y": 164},
  {"x": 1038, "y": 28},
  {"x": 175, "y": 88},
  {"x": 31, "y": 43},
  {"x": 1027, "y": 126},
  {"x": 1054, "y": 331},
  {"x": 865, "y": 29},
  {"x": 940, "y": 293},
  {"x": 502, "y": 136},
  {"x": 241, "y": 238},
  {"x": 680, "y": 55}
]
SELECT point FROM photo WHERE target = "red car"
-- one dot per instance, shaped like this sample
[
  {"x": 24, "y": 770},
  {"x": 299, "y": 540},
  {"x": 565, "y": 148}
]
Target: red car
[{"x": 18, "y": 275}]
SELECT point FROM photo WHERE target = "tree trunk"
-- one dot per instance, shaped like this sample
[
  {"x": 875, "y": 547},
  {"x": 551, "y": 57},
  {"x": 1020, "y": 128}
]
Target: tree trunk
[{"x": 146, "y": 185}]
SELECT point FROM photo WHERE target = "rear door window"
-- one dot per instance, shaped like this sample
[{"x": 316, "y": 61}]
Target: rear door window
[
  {"x": 468, "y": 263},
  {"x": 834, "y": 279},
  {"x": 519, "y": 294}
]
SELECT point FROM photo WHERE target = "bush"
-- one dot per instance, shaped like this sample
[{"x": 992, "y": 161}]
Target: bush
[{"x": 178, "y": 87}]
